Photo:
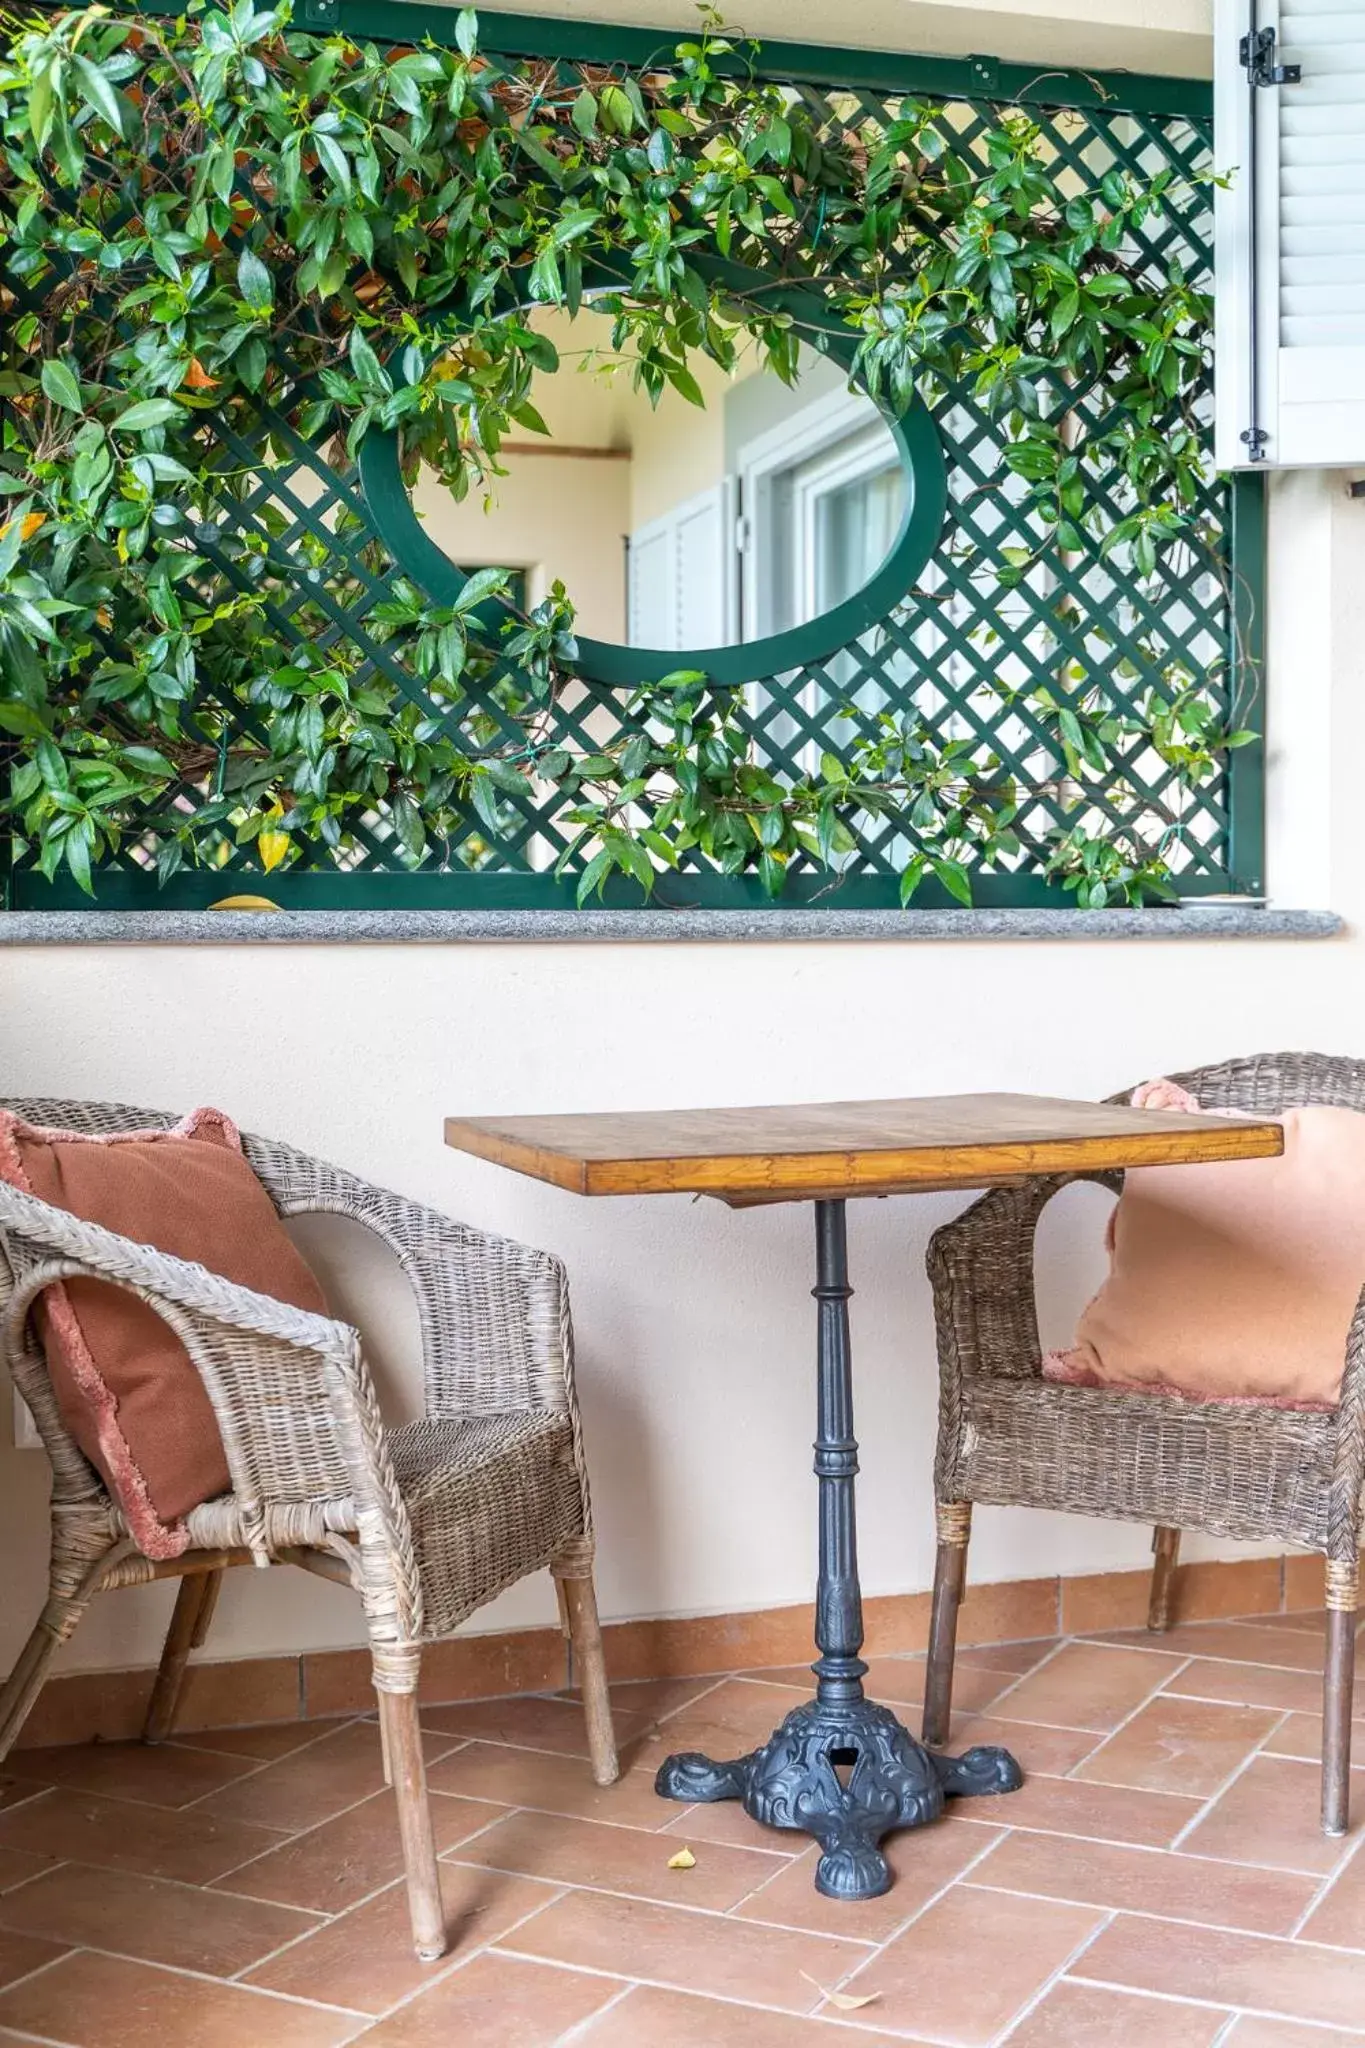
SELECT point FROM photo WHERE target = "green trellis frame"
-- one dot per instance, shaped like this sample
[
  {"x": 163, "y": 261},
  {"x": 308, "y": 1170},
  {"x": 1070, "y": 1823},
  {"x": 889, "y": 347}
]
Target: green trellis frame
[{"x": 935, "y": 650}]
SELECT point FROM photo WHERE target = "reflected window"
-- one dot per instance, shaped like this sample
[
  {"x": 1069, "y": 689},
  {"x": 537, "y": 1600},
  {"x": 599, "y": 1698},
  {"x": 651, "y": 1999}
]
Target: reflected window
[{"x": 676, "y": 527}]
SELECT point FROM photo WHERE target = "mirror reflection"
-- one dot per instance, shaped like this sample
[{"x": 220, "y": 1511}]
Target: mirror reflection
[{"x": 674, "y": 526}]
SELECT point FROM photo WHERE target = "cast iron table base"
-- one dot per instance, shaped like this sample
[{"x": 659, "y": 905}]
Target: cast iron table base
[{"x": 840, "y": 1768}]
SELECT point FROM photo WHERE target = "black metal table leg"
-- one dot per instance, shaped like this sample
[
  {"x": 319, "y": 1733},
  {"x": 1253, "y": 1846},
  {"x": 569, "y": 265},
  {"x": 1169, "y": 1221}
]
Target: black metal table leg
[{"x": 840, "y": 1768}]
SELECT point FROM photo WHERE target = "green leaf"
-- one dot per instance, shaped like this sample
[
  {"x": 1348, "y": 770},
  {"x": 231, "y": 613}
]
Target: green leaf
[
  {"x": 467, "y": 31},
  {"x": 98, "y": 94},
  {"x": 59, "y": 383},
  {"x": 146, "y": 414},
  {"x": 254, "y": 281},
  {"x": 583, "y": 114}
]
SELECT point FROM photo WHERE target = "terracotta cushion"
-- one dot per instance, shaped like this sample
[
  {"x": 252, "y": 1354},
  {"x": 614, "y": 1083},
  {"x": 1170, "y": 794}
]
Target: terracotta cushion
[
  {"x": 127, "y": 1388},
  {"x": 1235, "y": 1281}
]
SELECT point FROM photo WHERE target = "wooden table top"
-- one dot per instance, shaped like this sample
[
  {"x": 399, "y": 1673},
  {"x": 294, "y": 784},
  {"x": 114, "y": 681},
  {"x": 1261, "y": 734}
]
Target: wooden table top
[{"x": 804, "y": 1151}]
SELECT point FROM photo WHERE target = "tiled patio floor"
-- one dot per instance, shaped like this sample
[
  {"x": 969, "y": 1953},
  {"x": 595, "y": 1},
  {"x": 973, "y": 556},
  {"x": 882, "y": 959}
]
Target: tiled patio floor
[{"x": 1159, "y": 1883}]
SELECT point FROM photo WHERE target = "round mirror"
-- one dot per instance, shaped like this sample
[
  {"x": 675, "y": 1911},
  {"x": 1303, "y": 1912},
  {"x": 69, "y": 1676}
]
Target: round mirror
[{"x": 738, "y": 527}]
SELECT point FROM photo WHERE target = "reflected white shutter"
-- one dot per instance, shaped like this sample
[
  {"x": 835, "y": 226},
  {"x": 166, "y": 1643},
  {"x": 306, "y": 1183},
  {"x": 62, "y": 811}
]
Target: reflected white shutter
[
  {"x": 678, "y": 576},
  {"x": 1290, "y": 243}
]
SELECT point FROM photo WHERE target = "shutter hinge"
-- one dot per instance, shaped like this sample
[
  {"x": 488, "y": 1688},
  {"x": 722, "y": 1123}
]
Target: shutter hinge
[{"x": 1257, "y": 54}]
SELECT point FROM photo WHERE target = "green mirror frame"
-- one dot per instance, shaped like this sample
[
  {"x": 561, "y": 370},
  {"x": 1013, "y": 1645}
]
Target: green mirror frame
[{"x": 623, "y": 667}]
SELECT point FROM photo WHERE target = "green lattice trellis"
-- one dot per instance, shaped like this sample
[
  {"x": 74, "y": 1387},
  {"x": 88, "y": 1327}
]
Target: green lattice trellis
[{"x": 963, "y": 646}]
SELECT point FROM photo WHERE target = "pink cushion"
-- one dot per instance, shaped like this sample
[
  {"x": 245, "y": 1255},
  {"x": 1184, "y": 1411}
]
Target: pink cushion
[
  {"x": 127, "y": 1388},
  {"x": 1233, "y": 1281}
]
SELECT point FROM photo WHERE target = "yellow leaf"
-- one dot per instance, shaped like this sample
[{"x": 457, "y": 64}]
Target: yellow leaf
[
  {"x": 274, "y": 848},
  {"x": 244, "y": 903},
  {"x": 684, "y": 1860},
  {"x": 841, "y": 2000},
  {"x": 31, "y": 523}
]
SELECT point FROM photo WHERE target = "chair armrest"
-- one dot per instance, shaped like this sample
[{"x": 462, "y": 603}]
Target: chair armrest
[
  {"x": 493, "y": 1313},
  {"x": 293, "y": 1399},
  {"x": 981, "y": 1271}
]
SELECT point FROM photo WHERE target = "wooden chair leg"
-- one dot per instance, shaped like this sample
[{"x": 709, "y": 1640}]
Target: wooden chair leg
[
  {"x": 75, "y": 1579},
  {"x": 1338, "y": 1688},
  {"x": 1166, "y": 1556},
  {"x": 194, "y": 1605},
  {"x": 24, "y": 1683},
  {"x": 402, "y": 1738},
  {"x": 578, "y": 1599},
  {"x": 950, "y": 1574}
]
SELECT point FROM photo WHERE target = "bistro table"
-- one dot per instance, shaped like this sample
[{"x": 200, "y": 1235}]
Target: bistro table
[{"x": 842, "y": 1768}]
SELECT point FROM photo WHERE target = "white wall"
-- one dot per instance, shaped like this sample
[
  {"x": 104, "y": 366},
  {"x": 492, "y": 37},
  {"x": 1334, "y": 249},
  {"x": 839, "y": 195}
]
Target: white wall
[{"x": 1170, "y": 36}]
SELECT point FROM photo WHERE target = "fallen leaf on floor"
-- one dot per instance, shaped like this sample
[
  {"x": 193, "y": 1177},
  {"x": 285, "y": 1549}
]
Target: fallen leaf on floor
[
  {"x": 841, "y": 2000},
  {"x": 684, "y": 1860}
]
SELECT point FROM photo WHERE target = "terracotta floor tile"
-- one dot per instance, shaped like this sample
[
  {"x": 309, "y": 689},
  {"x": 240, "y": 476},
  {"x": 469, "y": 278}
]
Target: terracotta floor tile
[
  {"x": 1281, "y": 1977},
  {"x": 655, "y": 1698},
  {"x": 164, "y": 1775},
  {"x": 899, "y": 1682},
  {"x": 17, "y": 1866},
  {"x": 1084, "y": 2016},
  {"x": 20, "y": 1953},
  {"x": 1087, "y": 1685},
  {"x": 263, "y": 1743},
  {"x": 534, "y": 1721},
  {"x": 734, "y": 1718},
  {"x": 344, "y": 1860},
  {"x": 727, "y": 1824},
  {"x": 1300, "y": 1735},
  {"x": 1253, "y": 2032},
  {"x": 924, "y": 1861},
  {"x": 310, "y": 1786},
  {"x": 1245, "y": 1643},
  {"x": 93, "y": 2001},
  {"x": 561, "y": 1850},
  {"x": 495, "y": 2002},
  {"x": 557, "y": 1784},
  {"x": 1015, "y": 1657},
  {"x": 118, "y": 1836},
  {"x": 1174, "y": 1745},
  {"x": 1044, "y": 1752},
  {"x": 151, "y": 1920},
  {"x": 1250, "y": 1685},
  {"x": 364, "y": 1958},
  {"x": 1339, "y": 1919},
  {"x": 1149, "y": 1881},
  {"x": 688, "y": 1951},
  {"x": 13, "y": 1791},
  {"x": 964, "y": 1970},
  {"x": 1270, "y": 1815},
  {"x": 1108, "y": 1813},
  {"x": 649, "y": 2018}
]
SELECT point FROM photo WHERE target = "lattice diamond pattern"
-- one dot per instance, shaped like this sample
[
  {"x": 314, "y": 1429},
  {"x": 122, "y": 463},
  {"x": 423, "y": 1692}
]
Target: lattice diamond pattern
[{"x": 961, "y": 649}]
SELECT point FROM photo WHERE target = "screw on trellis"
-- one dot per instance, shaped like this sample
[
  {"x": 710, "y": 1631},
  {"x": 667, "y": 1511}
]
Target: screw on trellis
[{"x": 316, "y": 14}]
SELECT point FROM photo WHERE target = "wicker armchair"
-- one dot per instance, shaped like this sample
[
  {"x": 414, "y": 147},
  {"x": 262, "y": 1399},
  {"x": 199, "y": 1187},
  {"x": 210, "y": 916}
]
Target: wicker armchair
[
  {"x": 1012, "y": 1439},
  {"x": 425, "y": 1522}
]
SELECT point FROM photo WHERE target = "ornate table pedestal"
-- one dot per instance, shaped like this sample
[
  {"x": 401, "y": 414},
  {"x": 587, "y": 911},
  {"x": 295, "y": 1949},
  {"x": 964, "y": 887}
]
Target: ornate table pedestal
[{"x": 840, "y": 1768}]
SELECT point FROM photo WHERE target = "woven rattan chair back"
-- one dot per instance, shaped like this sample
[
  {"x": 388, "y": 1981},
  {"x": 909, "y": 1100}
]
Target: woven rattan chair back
[{"x": 1010, "y": 1438}]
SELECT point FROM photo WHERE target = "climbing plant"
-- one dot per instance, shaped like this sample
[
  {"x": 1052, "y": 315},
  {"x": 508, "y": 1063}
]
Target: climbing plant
[{"x": 223, "y": 240}]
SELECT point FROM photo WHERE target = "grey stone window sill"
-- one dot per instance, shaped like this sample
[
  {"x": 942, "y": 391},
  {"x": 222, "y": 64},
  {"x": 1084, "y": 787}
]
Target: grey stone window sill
[{"x": 528, "y": 927}]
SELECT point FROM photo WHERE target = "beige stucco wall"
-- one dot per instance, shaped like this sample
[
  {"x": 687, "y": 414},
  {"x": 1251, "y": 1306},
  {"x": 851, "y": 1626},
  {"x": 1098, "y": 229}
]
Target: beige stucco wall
[
  {"x": 695, "y": 1325},
  {"x": 1171, "y": 36}
]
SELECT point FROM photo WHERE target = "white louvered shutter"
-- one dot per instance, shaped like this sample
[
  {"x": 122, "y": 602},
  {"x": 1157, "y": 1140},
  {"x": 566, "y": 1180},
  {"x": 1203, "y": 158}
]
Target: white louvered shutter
[
  {"x": 678, "y": 576},
  {"x": 1290, "y": 239}
]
